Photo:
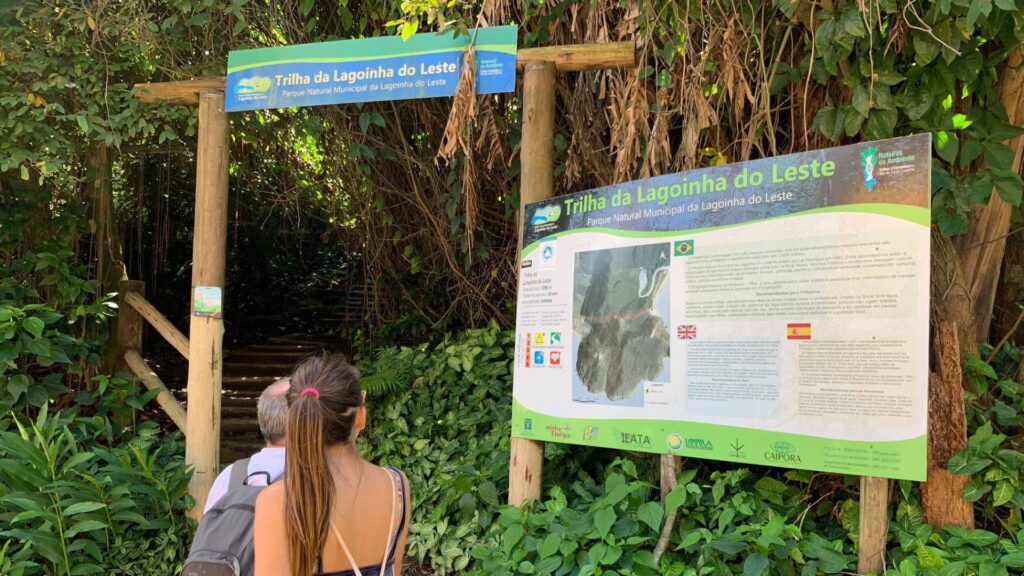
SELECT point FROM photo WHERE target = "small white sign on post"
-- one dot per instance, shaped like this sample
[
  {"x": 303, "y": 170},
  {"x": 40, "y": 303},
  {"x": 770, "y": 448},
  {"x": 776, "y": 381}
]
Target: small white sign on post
[{"x": 208, "y": 302}]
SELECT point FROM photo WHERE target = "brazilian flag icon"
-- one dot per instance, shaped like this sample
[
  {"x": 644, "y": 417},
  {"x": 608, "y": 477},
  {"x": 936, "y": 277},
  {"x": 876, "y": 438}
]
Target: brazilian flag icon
[{"x": 683, "y": 248}]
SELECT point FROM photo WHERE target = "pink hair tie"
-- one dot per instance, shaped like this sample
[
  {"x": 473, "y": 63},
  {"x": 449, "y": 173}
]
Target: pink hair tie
[{"x": 312, "y": 391}]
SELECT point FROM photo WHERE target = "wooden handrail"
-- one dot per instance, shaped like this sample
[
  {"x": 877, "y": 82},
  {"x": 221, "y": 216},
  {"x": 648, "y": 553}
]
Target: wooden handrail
[
  {"x": 164, "y": 398},
  {"x": 158, "y": 321}
]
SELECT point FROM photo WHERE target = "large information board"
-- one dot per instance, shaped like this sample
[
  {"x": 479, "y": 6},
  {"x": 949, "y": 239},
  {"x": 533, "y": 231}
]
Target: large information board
[
  {"x": 369, "y": 69},
  {"x": 768, "y": 312}
]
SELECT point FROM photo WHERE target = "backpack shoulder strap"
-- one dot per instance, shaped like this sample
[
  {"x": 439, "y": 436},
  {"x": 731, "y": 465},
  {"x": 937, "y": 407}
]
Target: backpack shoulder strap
[{"x": 239, "y": 473}]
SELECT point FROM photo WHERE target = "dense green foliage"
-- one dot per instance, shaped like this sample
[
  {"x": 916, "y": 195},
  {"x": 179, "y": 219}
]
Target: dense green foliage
[
  {"x": 52, "y": 322},
  {"x": 82, "y": 490},
  {"x": 448, "y": 429},
  {"x": 78, "y": 497},
  {"x": 356, "y": 193}
]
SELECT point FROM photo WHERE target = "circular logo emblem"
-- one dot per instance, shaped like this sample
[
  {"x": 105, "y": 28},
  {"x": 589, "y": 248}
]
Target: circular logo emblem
[
  {"x": 547, "y": 253},
  {"x": 675, "y": 441}
]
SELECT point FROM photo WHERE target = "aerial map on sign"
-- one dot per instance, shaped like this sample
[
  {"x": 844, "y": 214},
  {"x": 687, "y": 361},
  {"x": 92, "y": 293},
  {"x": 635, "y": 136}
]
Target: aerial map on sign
[{"x": 771, "y": 312}]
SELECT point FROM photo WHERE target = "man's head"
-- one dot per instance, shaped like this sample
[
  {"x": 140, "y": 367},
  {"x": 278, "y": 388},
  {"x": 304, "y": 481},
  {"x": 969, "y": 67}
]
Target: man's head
[{"x": 272, "y": 412}]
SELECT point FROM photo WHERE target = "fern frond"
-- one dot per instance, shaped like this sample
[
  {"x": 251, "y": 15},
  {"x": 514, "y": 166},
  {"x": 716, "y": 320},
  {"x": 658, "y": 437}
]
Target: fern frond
[{"x": 391, "y": 369}]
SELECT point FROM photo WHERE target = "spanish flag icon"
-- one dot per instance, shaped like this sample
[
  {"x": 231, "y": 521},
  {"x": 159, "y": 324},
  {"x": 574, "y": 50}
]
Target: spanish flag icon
[{"x": 798, "y": 331}]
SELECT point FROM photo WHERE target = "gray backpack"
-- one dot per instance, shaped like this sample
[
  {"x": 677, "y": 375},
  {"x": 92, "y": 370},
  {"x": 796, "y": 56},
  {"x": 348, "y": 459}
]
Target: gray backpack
[{"x": 223, "y": 543}]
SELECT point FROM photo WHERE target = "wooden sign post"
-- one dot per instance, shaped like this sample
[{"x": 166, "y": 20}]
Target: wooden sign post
[
  {"x": 536, "y": 183},
  {"x": 206, "y": 333},
  {"x": 209, "y": 248},
  {"x": 874, "y": 524}
]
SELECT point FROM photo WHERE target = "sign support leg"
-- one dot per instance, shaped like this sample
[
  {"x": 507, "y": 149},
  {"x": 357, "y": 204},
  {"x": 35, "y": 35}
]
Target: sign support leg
[
  {"x": 536, "y": 183},
  {"x": 206, "y": 334},
  {"x": 874, "y": 524}
]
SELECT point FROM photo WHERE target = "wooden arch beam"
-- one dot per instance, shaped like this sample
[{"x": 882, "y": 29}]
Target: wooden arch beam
[{"x": 568, "y": 58}]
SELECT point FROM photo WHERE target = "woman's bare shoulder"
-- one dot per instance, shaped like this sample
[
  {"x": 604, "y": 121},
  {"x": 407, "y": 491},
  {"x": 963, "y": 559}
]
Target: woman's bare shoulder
[{"x": 272, "y": 497}]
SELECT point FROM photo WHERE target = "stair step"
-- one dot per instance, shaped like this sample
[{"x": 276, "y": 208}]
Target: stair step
[
  {"x": 282, "y": 347},
  {"x": 249, "y": 369},
  {"x": 308, "y": 339},
  {"x": 229, "y": 402},
  {"x": 239, "y": 425},
  {"x": 245, "y": 379},
  {"x": 238, "y": 411},
  {"x": 262, "y": 356}
]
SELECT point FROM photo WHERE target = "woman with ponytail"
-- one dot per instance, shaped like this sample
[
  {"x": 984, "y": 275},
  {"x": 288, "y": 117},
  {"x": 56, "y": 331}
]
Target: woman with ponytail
[{"x": 334, "y": 514}]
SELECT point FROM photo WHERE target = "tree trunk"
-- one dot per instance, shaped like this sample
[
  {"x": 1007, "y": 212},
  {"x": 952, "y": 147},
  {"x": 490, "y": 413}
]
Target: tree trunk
[
  {"x": 947, "y": 435},
  {"x": 106, "y": 243},
  {"x": 110, "y": 270},
  {"x": 950, "y": 293},
  {"x": 1011, "y": 288},
  {"x": 953, "y": 318},
  {"x": 981, "y": 248}
]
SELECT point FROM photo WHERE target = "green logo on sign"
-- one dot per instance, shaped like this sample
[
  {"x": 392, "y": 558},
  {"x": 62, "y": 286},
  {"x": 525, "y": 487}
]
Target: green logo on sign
[
  {"x": 683, "y": 248},
  {"x": 252, "y": 85}
]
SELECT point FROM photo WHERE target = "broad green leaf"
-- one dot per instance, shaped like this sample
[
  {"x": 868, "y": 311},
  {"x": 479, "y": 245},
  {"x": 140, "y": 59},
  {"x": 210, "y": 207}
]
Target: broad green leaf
[
  {"x": 929, "y": 557},
  {"x": 675, "y": 498},
  {"x": 33, "y": 326},
  {"x": 84, "y": 526},
  {"x": 651, "y": 514},
  {"x": 974, "y": 490},
  {"x": 83, "y": 507},
  {"x": 925, "y": 48},
  {"x": 729, "y": 546},
  {"x": 1009, "y": 185},
  {"x": 545, "y": 566},
  {"x": 960, "y": 121},
  {"x": 612, "y": 555},
  {"x": 488, "y": 492},
  {"x": 755, "y": 565},
  {"x": 861, "y": 100},
  {"x": 977, "y": 9},
  {"x": 549, "y": 546},
  {"x": 603, "y": 520},
  {"x": 691, "y": 538},
  {"x": 1015, "y": 560},
  {"x": 409, "y": 28},
  {"x": 686, "y": 476},
  {"x": 1002, "y": 493}
]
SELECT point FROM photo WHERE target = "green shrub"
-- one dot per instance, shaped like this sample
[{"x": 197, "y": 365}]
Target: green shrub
[
  {"x": 52, "y": 325},
  {"x": 448, "y": 429},
  {"x": 78, "y": 498}
]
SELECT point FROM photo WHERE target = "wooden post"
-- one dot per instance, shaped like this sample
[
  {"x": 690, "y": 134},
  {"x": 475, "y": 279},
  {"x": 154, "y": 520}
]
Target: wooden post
[
  {"x": 150, "y": 380},
  {"x": 874, "y": 524},
  {"x": 206, "y": 334},
  {"x": 129, "y": 322},
  {"x": 536, "y": 182},
  {"x": 158, "y": 321}
]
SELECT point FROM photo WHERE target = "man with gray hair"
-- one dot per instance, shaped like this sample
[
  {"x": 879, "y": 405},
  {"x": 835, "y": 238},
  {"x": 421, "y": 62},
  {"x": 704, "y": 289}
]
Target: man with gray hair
[{"x": 267, "y": 464}]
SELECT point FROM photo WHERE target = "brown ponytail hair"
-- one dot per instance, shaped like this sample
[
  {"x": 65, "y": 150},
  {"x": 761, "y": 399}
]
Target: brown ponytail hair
[{"x": 323, "y": 401}]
